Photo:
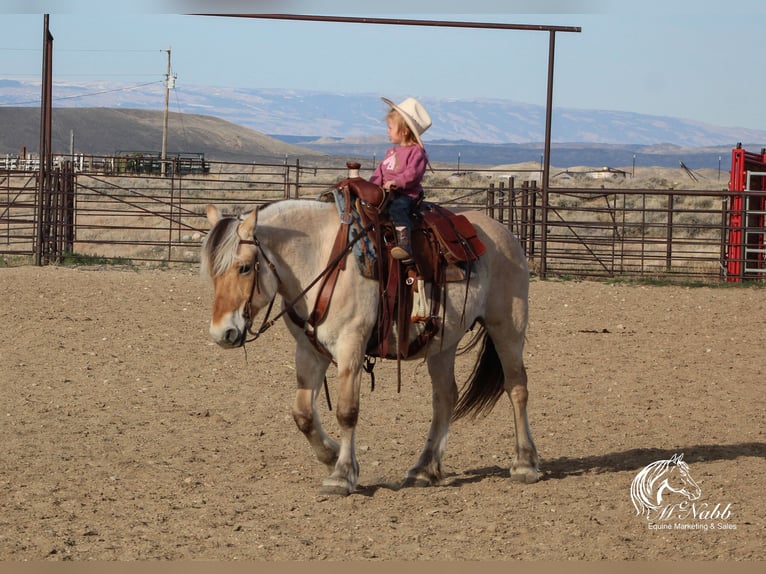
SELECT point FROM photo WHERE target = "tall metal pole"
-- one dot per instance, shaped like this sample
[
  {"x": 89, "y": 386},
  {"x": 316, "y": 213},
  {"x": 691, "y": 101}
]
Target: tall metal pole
[
  {"x": 164, "y": 154},
  {"x": 46, "y": 164},
  {"x": 547, "y": 163}
]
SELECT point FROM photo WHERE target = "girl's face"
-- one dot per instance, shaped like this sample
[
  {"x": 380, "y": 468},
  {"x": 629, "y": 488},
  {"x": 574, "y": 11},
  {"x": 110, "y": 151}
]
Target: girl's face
[{"x": 395, "y": 136}]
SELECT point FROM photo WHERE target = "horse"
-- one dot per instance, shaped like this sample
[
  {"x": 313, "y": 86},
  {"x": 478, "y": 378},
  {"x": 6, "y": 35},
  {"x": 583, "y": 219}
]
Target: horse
[
  {"x": 650, "y": 484},
  {"x": 283, "y": 248}
]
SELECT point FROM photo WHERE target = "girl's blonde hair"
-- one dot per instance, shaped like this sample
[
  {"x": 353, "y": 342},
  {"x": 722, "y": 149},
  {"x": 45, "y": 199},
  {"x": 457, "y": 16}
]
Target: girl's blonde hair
[{"x": 396, "y": 118}]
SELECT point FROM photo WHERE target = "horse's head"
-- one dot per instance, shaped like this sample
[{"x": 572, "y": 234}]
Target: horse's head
[
  {"x": 679, "y": 480},
  {"x": 232, "y": 257},
  {"x": 650, "y": 484}
]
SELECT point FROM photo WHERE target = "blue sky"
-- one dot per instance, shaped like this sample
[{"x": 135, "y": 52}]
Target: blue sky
[{"x": 687, "y": 59}]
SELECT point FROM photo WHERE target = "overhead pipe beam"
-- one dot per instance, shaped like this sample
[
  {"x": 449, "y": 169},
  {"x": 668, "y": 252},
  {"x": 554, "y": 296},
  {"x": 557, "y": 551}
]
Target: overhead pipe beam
[{"x": 405, "y": 22}]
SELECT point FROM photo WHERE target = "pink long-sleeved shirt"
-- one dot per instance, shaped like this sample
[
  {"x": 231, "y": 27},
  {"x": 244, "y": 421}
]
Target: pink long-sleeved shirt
[{"x": 405, "y": 166}]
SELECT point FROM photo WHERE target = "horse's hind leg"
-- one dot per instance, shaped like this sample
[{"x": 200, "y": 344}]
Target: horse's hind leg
[
  {"x": 525, "y": 467},
  {"x": 509, "y": 347},
  {"x": 428, "y": 469},
  {"x": 310, "y": 379}
]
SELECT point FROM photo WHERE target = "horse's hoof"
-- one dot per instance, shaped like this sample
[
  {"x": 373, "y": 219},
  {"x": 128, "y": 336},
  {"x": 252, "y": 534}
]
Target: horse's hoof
[
  {"x": 335, "y": 488},
  {"x": 525, "y": 475},
  {"x": 334, "y": 491},
  {"x": 420, "y": 480}
]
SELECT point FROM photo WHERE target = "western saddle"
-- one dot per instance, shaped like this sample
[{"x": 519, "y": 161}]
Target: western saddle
[{"x": 444, "y": 244}]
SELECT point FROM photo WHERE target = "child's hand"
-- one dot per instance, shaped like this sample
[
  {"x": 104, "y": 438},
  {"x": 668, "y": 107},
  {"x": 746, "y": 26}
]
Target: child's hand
[{"x": 389, "y": 186}]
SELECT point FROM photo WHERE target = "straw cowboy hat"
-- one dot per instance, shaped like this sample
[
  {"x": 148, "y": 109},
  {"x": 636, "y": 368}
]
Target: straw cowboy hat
[{"x": 414, "y": 114}]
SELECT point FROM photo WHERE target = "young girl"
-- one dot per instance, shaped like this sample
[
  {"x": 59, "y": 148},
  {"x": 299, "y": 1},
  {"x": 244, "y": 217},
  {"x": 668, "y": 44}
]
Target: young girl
[{"x": 403, "y": 168}]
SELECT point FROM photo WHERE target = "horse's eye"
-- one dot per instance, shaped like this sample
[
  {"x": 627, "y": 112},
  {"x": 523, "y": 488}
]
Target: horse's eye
[{"x": 245, "y": 268}]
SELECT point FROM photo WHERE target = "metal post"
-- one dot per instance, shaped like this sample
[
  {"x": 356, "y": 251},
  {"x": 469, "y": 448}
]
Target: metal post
[
  {"x": 43, "y": 182},
  {"x": 501, "y": 202},
  {"x": 669, "y": 237},
  {"x": 170, "y": 215},
  {"x": 547, "y": 163},
  {"x": 524, "y": 219},
  {"x": 491, "y": 200},
  {"x": 532, "y": 219},
  {"x": 297, "y": 176},
  {"x": 724, "y": 237},
  {"x": 512, "y": 204}
]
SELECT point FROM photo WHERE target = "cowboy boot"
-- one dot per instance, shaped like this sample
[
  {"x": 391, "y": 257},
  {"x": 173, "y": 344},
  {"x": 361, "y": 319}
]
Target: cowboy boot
[{"x": 403, "y": 249}]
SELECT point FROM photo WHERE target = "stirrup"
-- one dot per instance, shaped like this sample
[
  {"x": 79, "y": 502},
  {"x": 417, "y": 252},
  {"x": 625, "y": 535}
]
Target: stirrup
[{"x": 400, "y": 253}]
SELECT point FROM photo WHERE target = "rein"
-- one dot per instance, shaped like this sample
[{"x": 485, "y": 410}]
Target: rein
[{"x": 288, "y": 308}]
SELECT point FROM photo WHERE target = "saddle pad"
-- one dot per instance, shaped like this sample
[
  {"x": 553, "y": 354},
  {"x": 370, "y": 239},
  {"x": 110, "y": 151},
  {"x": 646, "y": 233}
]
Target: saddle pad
[
  {"x": 363, "y": 250},
  {"x": 456, "y": 235}
]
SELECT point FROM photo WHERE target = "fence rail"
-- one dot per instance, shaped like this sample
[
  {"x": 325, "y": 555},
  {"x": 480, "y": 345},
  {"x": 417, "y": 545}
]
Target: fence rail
[{"x": 159, "y": 219}]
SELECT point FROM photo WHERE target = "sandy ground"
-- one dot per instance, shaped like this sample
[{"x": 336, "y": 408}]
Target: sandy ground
[{"x": 127, "y": 435}]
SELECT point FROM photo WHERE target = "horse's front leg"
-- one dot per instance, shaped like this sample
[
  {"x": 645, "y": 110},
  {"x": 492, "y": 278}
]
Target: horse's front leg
[
  {"x": 311, "y": 369},
  {"x": 345, "y": 475}
]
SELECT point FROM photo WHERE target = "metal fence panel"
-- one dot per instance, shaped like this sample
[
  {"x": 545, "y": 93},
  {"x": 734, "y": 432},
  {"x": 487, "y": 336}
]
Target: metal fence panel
[{"x": 160, "y": 219}]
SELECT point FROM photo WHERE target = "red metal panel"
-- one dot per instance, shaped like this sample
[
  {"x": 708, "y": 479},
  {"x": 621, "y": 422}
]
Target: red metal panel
[
  {"x": 734, "y": 240},
  {"x": 742, "y": 162}
]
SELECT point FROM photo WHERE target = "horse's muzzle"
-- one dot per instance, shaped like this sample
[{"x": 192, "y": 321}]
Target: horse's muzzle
[
  {"x": 229, "y": 338},
  {"x": 234, "y": 337}
]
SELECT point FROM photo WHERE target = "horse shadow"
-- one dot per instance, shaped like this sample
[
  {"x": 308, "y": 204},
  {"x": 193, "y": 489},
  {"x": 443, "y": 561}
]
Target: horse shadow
[
  {"x": 566, "y": 467},
  {"x": 637, "y": 458}
]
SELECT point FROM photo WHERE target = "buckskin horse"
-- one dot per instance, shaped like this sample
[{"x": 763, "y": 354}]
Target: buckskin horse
[{"x": 284, "y": 247}]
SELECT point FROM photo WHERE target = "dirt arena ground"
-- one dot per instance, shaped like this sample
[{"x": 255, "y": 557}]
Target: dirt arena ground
[{"x": 127, "y": 435}]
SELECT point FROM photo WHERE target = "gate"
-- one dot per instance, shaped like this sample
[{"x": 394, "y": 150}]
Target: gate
[
  {"x": 37, "y": 220},
  {"x": 55, "y": 215},
  {"x": 745, "y": 248}
]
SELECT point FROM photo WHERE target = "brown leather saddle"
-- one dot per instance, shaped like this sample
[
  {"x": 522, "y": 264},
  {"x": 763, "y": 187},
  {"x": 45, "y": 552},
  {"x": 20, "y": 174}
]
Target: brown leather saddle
[{"x": 445, "y": 247}]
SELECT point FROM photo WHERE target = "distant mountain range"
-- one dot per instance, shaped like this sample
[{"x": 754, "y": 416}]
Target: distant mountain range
[
  {"x": 480, "y": 131},
  {"x": 106, "y": 131}
]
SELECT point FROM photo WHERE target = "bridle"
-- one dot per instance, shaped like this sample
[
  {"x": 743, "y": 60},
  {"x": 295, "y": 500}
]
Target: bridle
[
  {"x": 289, "y": 308},
  {"x": 256, "y": 288}
]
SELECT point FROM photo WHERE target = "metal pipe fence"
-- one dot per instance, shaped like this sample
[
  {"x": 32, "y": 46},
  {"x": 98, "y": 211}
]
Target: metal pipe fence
[{"x": 160, "y": 219}]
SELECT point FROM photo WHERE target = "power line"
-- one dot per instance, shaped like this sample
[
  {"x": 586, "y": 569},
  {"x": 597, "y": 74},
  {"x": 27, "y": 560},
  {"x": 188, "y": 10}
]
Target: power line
[
  {"x": 108, "y": 51},
  {"x": 73, "y": 97},
  {"x": 69, "y": 50},
  {"x": 125, "y": 89},
  {"x": 180, "y": 115}
]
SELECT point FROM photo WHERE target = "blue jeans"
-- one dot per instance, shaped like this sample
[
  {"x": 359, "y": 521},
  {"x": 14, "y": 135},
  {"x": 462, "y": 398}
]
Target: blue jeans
[{"x": 400, "y": 208}]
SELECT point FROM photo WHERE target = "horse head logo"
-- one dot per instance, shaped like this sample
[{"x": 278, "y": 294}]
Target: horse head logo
[{"x": 650, "y": 484}]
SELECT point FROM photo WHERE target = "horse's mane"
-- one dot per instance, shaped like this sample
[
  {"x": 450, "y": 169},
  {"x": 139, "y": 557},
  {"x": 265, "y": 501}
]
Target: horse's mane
[{"x": 219, "y": 248}]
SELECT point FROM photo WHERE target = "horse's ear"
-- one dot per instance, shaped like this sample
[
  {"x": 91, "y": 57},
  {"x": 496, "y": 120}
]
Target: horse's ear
[
  {"x": 213, "y": 215},
  {"x": 247, "y": 227}
]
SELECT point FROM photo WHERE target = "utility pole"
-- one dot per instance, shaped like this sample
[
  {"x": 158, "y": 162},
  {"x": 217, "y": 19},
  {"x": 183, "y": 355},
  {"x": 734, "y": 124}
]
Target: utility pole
[{"x": 169, "y": 83}]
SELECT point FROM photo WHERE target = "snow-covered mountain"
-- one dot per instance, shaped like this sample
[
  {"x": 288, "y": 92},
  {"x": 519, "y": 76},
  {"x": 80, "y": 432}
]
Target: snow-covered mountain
[{"x": 360, "y": 116}]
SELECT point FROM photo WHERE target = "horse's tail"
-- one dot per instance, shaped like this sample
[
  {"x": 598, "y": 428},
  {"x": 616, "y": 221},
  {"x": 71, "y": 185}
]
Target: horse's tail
[{"x": 485, "y": 386}]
